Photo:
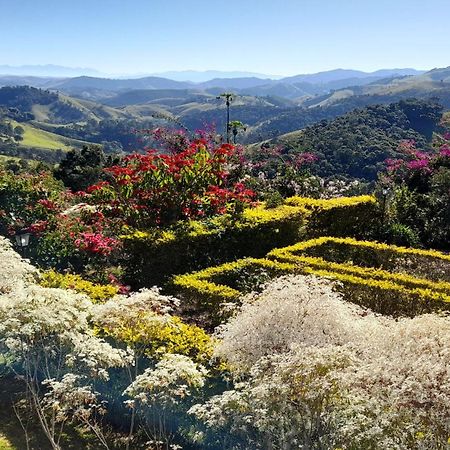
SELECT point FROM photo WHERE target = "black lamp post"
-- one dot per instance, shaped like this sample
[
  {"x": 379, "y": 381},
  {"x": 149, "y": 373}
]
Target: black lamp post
[{"x": 22, "y": 238}]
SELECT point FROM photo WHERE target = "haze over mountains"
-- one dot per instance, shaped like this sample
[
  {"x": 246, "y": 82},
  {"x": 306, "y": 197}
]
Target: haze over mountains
[{"x": 97, "y": 87}]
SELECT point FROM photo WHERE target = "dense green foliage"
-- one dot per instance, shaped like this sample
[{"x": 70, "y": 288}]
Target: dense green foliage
[
  {"x": 357, "y": 144},
  {"x": 24, "y": 97},
  {"x": 418, "y": 197},
  {"x": 81, "y": 168}
]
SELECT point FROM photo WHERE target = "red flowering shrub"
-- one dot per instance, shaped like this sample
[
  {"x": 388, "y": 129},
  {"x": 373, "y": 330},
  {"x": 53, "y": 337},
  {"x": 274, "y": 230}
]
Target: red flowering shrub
[
  {"x": 96, "y": 243},
  {"x": 79, "y": 231},
  {"x": 29, "y": 201},
  {"x": 159, "y": 189}
]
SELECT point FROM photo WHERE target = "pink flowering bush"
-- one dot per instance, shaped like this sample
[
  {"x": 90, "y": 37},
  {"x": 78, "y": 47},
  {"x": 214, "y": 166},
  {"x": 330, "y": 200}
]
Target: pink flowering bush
[
  {"x": 419, "y": 196},
  {"x": 96, "y": 243},
  {"x": 273, "y": 170}
]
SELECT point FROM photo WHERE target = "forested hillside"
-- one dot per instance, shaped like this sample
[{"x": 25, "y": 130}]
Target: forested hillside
[{"x": 358, "y": 143}]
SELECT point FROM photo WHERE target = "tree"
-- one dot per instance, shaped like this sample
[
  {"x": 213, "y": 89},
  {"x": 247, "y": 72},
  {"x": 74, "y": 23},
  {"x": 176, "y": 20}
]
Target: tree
[
  {"x": 81, "y": 168},
  {"x": 235, "y": 127},
  {"x": 18, "y": 133}
]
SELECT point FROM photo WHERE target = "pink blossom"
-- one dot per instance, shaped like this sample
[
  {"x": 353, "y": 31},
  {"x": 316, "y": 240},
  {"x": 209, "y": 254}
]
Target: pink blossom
[
  {"x": 418, "y": 164},
  {"x": 96, "y": 243},
  {"x": 393, "y": 164},
  {"x": 305, "y": 159},
  {"x": 47, "y": 204},
  {"x": 445, "y": 150}
]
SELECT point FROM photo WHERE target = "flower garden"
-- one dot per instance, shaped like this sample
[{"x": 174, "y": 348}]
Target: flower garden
[{"x": 298, "y": 324}]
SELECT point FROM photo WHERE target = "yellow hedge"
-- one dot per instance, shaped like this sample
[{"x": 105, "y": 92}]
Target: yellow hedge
[
  {"x": 384, "y": 291},
  {"x": 97, "y": 292},
  {"x": 301, "y": 246},
  {"x": 201, "y": 287},
  {"x": 339, "y": 202},
  {"x": 157, "y": 254},
  {"x": 155, "y": 335}
]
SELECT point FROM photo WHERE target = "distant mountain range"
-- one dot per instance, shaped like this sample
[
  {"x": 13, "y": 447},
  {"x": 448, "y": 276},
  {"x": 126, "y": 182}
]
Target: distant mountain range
[
  {"x": 295, "y": 88},
  {"x": 196, "y": 76},
  {"x": 104, "y": 110}
]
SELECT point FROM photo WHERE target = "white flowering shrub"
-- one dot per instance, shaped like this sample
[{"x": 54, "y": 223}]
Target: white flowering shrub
[
  {"x": 14, "y": 271},
  {"x": 46, "y": 337},
  {"x": 112, "y": 312},
  {"x": 171, "y": 381},
  {"x": 291, "y": 310},
  {"x": 161, "y": 396},
  {"x": 48, "y": 330},
  {"x": 72, "y": 399},
  {"x": 51, "y": 338},
  {"x": 318, "y": 373}
]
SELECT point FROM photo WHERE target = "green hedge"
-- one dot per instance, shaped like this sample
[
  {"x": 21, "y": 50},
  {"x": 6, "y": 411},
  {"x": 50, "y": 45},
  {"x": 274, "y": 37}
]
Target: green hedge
[
  {"x": 386, "y": 292},
  {"x": 155, "y": 255}
]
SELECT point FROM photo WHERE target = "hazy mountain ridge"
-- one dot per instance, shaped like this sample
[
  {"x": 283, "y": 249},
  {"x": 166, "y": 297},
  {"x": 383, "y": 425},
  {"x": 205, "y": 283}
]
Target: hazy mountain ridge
[
  {"x": 96, "y": 88},
  {"x": 47, "y": 70}
]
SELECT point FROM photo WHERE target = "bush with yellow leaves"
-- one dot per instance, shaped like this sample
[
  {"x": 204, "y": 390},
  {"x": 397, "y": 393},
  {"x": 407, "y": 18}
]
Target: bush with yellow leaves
[
  {"x": 143, "y": 321},
  {"x": 96, "y": 292},
  {"x": 385, "y": 291},
  {"x": 157, "y": 254}
]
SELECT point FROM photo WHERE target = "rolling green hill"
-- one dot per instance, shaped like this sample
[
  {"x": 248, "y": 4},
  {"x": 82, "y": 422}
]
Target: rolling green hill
[
  {"x": 34, "y": 137},
  {"x": 432, "y": 84},
  {"x": 55, "y": 121}
]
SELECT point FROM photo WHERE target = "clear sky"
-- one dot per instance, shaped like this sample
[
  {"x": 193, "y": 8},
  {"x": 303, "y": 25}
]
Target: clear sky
[{"x": 281, "y": 37}]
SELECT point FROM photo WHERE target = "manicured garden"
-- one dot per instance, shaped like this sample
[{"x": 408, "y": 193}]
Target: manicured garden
[{"x": 295, "y": 322}]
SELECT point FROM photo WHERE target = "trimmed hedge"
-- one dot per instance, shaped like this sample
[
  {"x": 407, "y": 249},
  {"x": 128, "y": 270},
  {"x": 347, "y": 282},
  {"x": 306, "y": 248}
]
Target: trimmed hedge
[
  {"x": 431, "y": 264},
  {"x": 96, "y": 292},
  {"x": 345, "y": 216},
  {"x": 208, "y": 287},
  {"x": 383, "y": 291},
  {"x": 155, "y": 255}
]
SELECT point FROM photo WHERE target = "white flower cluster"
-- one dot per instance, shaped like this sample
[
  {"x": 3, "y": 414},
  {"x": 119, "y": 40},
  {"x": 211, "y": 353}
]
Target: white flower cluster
[
  {"x": 69, "y": 397},
  {"x": 321, "y": 373},
  {"x": 39, "y": 323},
  {"x": 341, "y": 188},
  {"x": 120, "y": 309},
  {"x": 48, "y": 338},
  {"x": 173, "y": 379},
  {"x": 14, "y": 271}
]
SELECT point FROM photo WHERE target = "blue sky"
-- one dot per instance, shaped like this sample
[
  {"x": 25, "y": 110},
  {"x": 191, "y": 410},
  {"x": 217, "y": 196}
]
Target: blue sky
[{"x": 283, "y": 37}]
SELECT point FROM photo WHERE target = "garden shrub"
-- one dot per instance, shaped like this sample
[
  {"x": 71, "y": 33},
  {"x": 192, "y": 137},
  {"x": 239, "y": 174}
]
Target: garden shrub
[
  {"x": 144, "y": 321},
  {"x": 431, "y": 264},
  {"x": 157, "y": 254},
  {"x": 383, "y": 290},
  {"x": 162, "y": 188},
  {"x": 344, "y": 216},
  {"x": 211, "y": 288},
  {"x": 313, "y": 371},
  {"x": 97, "y": 292},
  {"x": 418, "y": 206}
]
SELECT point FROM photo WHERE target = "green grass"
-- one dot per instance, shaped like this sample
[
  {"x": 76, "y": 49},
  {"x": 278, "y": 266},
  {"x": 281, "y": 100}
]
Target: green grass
[
  {"x": 4, "y": 158},
  {"x": 36, "y": 138}
]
